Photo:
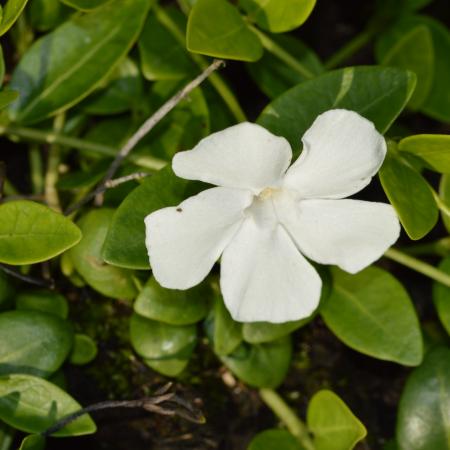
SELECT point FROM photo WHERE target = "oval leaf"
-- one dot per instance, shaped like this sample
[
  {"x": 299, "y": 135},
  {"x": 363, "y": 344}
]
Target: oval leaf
[
  {"x": 372, "y": 313},
  {"x": 84, "y": 350},
  {"x": 410, "y": 195},
  {"x": 291, "y": 114},
  {"x": 274, "y": 439},
  {"x": 423, "y": 421},
  {"x": 11, "y": 11},
  {"x": 65, "y": 65},
  {"x": 32, "y": 233},
  {"x": 173, "y": 306},
  {"x": 33, "y": 405},
  {"x": 44, "y": 301},
  {"x": 278, "y": 16},
  {"x": 33, "y": 342},
  {"x": 215, "y": 28},
  {"x": 86, "y": 257},
  {"x": 441, "y": 296},
  {"x": 333, "y": 424}
]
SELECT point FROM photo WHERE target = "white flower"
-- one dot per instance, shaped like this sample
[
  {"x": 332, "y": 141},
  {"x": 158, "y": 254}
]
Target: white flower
[{"x": 263, "y": 217}]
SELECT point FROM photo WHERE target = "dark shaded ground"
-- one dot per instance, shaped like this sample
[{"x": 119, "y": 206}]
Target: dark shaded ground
[{"x": 234, "y": 412}]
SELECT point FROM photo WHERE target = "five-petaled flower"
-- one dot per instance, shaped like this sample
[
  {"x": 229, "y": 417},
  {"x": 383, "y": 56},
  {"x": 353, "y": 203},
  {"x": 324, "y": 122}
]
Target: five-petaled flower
[{"x": 265, "y": 217}]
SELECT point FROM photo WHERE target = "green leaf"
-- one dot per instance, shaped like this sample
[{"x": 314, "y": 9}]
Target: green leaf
[
  {"x": 157, "y": 340},
  {"x": 333, "y": 424},
  {"x": 163, "y": 57},
  {"x": 275, "y": 78},
  {"x": 33, "y": 342},
  {"x": 45, "y": 15},
  {"x": 123, "y": 92},
  {"x": 125, "y": 242},
  {"x": 423, "y": 420},
  {"x": 291, "y": 114},
  {"x": 410, "y": 195},
  {"x": 278, "y": 16},
  {"x": 87, "y": 258},
  {"x": 444, "y": 193},
  {"x": 6, "y": 436},
  {"x": 33, "y": 405},
  {"x": 259, "y": 332},
  {"x": 432, "y": 148},
  {"x": 32, "y": 233},
  {"x": 414, "y": 52},
  {"x": 224, "y": 333},
  {"x": 84, "y": 5},
  {"x": 170, "y": 306},
  {"x": 7, "y": 97},
  {"x": 170, "y": 367},
  {"x": 261, "y": 365},
  {"x": 215, "y": 28},
  {"x": 11, "y": 11},
  {"x": 45, "y": 301},
  {"x": 274, "y": 439},
  {"x": 437, "y": 105},
  {"x": 372, "y": 313},
  {"x": 33, "y": 442},
  {"x": 84, "y": 350},
  {"x": 441, "y": 296},
  {"x": 64, "y": 66}
]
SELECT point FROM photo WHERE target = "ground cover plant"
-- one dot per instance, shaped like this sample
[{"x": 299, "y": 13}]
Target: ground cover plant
[{"x": 225, "y": 224}]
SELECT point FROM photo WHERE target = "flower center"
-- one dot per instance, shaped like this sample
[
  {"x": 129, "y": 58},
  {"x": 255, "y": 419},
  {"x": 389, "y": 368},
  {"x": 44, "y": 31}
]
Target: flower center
[{"x": 267, "y": 192}]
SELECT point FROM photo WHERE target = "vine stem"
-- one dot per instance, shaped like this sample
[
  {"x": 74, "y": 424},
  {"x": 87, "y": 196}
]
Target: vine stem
[
  {"x": 278, "y": 51},
  {"x": 418, "y": 265},
  {"x": 46, "y": 137},
  {"x": 293, "y": 423}
]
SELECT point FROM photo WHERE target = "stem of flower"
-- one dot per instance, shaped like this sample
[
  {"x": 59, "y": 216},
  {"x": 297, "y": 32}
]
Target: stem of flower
[
  {"x": 440, "y": 247},
  {"x": 351, "y": 47},
  {"x": 215, "y": 79},
  {"x": 280, "y": 408},
  {"x": 31, "y": 134},
  {"x": 278, "y": 51},
  {"x": 418, "y": 265}
]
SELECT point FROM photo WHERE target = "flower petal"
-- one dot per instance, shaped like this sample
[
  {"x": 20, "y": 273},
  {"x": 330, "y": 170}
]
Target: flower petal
[
  {"x": 265, "y": 278},
  {"x": 184, "y": 242},
  {"x": 348, "y": 233},
  {"x": 242, "y": 156},
  {"x": 342, "y": 151}
]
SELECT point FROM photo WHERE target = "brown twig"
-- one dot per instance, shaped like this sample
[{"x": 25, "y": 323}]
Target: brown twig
[
  {"x": 144, "y": 129},
  {"x": 32, "y": 280},
  {"x": 163, "y": 402}
]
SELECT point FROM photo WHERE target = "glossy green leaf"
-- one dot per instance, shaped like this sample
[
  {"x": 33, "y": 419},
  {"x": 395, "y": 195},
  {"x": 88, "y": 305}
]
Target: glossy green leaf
[
  {"x": 432, "y": 148},
  {"x": 224, "y": 333},
  {"x": 171, "y": 306},
  {"x": 410, "y": 195},
  {"x": 437, "y": 105},
  {"x": 261, "y": 365},
  {"x": 441, "y": 296},
  {"x": 423, "y": 420},
  {"x": 332, "y": 423},
  {"x": 45, "y": 15},
  {"x": 32, "y": 404},
  {"x": 274, "y": 77},
  {"x": 122, "y": 92},
  {"x": 291, "y": 114},
  {"x": 84, "y": 350},
  {"x": 33, "y": 342},
  {"x": 125, "y": 242},
  {"x": 84, "y": 5},
  {"x": 11, "y": 11},
  {"x": 7, "y": 97},
  {"x": 163, "y": 57},
  {"x": 33, "y": 442},
  {"x": 274, "y": 439},
  {"x": 372, "y": 313},
  {"x": 31, "y": 233},
  {"x": 278, "y": 16},
  {"x": 444, "y": 193},
  {"x": 45, "y": 301},
  {"x": 64, "y": 66},
  {"x": 415, "y": 52},
  {"x": 259, "y": 332},
  {"x": 87, "y": 258},
  {"x": 157, "y": 340},
  {"x": 215, "y": 28},
  {"x": 170, "y": 367}
]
